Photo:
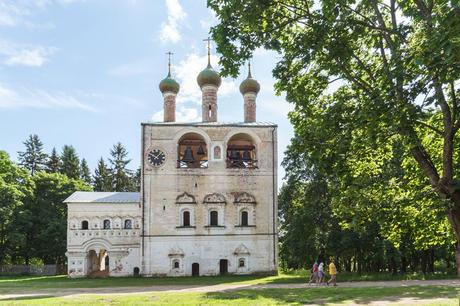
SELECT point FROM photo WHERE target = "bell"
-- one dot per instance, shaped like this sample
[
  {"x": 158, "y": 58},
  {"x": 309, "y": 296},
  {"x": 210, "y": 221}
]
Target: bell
[
  {"x": 188, "y": 155},
  {"x": 200, "y": 151},
  {"x": 246, "y": 155},
  {"x": 234, "y": 154}
]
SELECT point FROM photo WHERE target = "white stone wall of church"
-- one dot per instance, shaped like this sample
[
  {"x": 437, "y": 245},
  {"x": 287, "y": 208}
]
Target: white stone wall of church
[{"x": 207, "y": 251}]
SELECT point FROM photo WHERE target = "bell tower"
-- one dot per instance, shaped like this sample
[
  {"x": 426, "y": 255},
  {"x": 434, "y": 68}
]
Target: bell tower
[
  {"x": 209, "y": 81},
  {"x": 169, "y": 88}
]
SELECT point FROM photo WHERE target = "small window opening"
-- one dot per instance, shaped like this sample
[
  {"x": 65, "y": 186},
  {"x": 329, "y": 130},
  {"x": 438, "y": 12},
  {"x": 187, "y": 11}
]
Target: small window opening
[
  {"x": 176, "y": 264},
  {"x": 128, "y": 224},
  {"x": 106, "y": 224},
  {"x": 241, "y": 263},
  {"x": 244, "y": 218},
  {"x": 186, "y": 218},
  {"x": 214, "y": 218},
  {"x": 84, "y": 225}
]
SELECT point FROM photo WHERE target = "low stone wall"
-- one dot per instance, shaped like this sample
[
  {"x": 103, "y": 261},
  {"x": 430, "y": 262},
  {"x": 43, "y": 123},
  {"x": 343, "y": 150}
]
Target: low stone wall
[{"x": 29, "y": 270}]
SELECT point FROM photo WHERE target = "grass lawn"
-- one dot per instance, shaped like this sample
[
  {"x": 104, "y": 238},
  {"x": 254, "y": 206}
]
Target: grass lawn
[
  {"x": 16, "y": 284},
  {"x": 414, "y": 295}
]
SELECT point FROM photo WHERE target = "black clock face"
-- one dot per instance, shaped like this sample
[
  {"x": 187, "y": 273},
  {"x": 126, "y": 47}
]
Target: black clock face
[{"x": 156, "y": 157}]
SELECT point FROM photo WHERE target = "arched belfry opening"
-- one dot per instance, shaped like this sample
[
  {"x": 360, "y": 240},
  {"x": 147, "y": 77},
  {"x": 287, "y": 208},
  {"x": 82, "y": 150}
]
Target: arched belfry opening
[
  {"x": 192, "y": 151},
  {"x": 241, "y": 152}
]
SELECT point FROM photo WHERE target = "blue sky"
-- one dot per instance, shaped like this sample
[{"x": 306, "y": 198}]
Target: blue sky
[{"x": 86, "y": 73}]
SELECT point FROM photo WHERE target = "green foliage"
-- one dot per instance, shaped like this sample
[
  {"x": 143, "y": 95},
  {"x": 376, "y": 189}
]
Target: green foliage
[
  {"x": 15, "y": 187},
  {"x": 70, "y": 163},
  {"x": 375, "y": 89},
  {"x": 85, "y": 172},
  {"x": 33, "y": 158},
  {"x": 54, "y": 162},
  {"x": 122, "y": 178},
  {"x": 102, "y": 177}
]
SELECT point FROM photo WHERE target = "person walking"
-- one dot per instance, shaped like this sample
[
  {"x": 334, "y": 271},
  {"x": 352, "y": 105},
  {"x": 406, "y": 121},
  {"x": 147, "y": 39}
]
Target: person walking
[
  {"x": 321, "y": 275},
  {"x": 333, "y": 273},
  {"x": 314, "y": 273}
]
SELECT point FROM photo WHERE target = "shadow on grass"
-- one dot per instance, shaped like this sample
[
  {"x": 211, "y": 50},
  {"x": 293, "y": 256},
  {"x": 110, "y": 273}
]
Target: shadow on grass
[{"x": 322, "y": 296}]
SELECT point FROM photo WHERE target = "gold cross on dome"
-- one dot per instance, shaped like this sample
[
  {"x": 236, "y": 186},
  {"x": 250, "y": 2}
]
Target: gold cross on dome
[
  {"x": 169, "y": 53},
  {"x": 209, "y": 49}
]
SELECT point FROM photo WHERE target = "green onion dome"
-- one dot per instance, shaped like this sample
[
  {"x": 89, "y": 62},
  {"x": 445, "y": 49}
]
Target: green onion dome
[
  {"x": 249, "y": 85},
  {"x": 209, "y": 77},
  {"x": 168, "y": 84}
]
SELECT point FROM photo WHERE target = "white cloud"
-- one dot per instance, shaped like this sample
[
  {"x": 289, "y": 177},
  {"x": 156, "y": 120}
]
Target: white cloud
[
  {"x": 33, "y": 56},
  {"x": 37, "y": 98},
  {"x": 186, "y": 72},
  {"x": 183, "y": 114},
  {"x": 209, "y": 21},
  {"x": 14, "y": 13},
  {"x": 169, "y": 31}
]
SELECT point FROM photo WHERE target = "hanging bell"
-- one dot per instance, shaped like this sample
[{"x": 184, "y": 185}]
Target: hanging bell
[
  {"x": 200, "y": 151},
  {"x": 246, "y": 155},
  {"x": 188, "y": 155},
  {"x": 235, "y": 155}
]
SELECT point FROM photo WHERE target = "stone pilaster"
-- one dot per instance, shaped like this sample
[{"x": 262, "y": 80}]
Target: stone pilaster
[
  {"x": 169, "y": 107},
  {"x": 209, "y": 103},
  {"x": 250, "y": 107}
]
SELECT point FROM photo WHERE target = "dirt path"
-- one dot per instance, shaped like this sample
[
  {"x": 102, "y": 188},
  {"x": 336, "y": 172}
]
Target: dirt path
[{"x": 72, "y": 292}]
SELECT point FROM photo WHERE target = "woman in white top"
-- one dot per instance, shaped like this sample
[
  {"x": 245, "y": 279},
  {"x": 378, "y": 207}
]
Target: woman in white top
[{"x": 321, "y": 275}]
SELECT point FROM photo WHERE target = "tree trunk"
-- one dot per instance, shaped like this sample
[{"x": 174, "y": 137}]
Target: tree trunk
[{"x": 454, "y": 219}]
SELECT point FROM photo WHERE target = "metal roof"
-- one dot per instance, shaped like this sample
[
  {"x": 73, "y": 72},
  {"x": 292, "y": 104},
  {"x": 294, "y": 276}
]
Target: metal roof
[
  {"x": 241, "y": 124},
  {"x": 103, "y": 197}
]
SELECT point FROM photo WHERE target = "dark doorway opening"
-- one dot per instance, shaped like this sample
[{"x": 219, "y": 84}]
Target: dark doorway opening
[
  {"x": 195, "y": 269},
  {"x": 223, "y": 266},
  {"x": 136, "y": 271}
]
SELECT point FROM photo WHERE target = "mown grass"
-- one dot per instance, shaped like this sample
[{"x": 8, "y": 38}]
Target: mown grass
[
  {"x": 28, "y": 283},
  {"x": 323, "y": 296}
]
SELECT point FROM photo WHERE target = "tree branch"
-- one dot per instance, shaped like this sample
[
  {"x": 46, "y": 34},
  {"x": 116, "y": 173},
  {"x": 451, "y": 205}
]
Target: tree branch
[{"x": 430, "y": 127}]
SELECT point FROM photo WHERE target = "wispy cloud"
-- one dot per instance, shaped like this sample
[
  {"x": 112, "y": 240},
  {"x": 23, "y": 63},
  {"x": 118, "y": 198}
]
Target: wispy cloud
[
  {"x": 16, "y": 13},
  {"x": 34, "y": 56},
  {"x": 186, "y": 72},
  {"x": 11, "y": 98},
  {"x": 183, "y": 114},
  {"x": 169, "y": 31}
]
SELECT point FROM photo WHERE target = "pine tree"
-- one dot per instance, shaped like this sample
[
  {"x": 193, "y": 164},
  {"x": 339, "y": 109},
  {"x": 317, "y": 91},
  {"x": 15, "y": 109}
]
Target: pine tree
[
  {"x": 121, "y": 177},
  {"x": 33, "y": 158},
  {"x": 85, "y": 172},
  {"x": 70, "y": 165},
  {"x": 137, "y": 179},
  {"x": 102, "y": 177},
  {"x": 54, "y": 162}
]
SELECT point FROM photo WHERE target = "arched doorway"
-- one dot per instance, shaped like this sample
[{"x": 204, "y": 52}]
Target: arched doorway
[
  {"x": 136, "y": 271},
  {"x": 223, "y": 266},
  {"x": 97, "y": 263},
  {"x": 195, "y": 269}
]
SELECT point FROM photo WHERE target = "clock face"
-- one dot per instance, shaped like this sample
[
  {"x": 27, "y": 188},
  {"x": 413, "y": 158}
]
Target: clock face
[{"x": 156, "y": 157}]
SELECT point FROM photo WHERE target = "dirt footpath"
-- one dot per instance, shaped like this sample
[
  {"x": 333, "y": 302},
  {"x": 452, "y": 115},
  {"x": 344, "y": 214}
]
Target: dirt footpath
[{"x": 72, "y": 292}]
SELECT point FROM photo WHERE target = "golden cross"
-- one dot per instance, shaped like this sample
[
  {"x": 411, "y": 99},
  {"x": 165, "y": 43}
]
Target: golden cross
[
  {"x": 209, "y": 49},
  {"x": 169, "y": 53}
]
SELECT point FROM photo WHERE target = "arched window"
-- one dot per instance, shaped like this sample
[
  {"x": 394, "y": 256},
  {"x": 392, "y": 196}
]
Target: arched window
[
  {"x": 186, "y": 218},
  {"x": 241, "y": 152},
  {"x": 244, "y": 218},
  {"x": 106, "y": 224},
  {"x": 128, "y": 224},
  {"x": 192, "y": 151},
  {"x": 241, "y": 263},
  {"x": 84, "y": 225},
  {"x": 176, "y": 264},
  {"x": 213, "y": 217}
]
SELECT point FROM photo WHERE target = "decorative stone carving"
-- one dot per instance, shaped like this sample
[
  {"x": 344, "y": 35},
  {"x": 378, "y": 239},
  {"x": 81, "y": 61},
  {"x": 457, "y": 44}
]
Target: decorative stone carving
[
  {"x": 185, "y": 198},
  {"x": 214, "y": 198},
  {"x": 241, "y": 250},
  {"x": 176, "y": 252},
  {"x": 244, "y": 197}
]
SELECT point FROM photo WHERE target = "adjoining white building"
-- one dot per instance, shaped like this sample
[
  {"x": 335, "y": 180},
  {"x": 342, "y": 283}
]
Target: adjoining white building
[{"x": 207, "y": 204}]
